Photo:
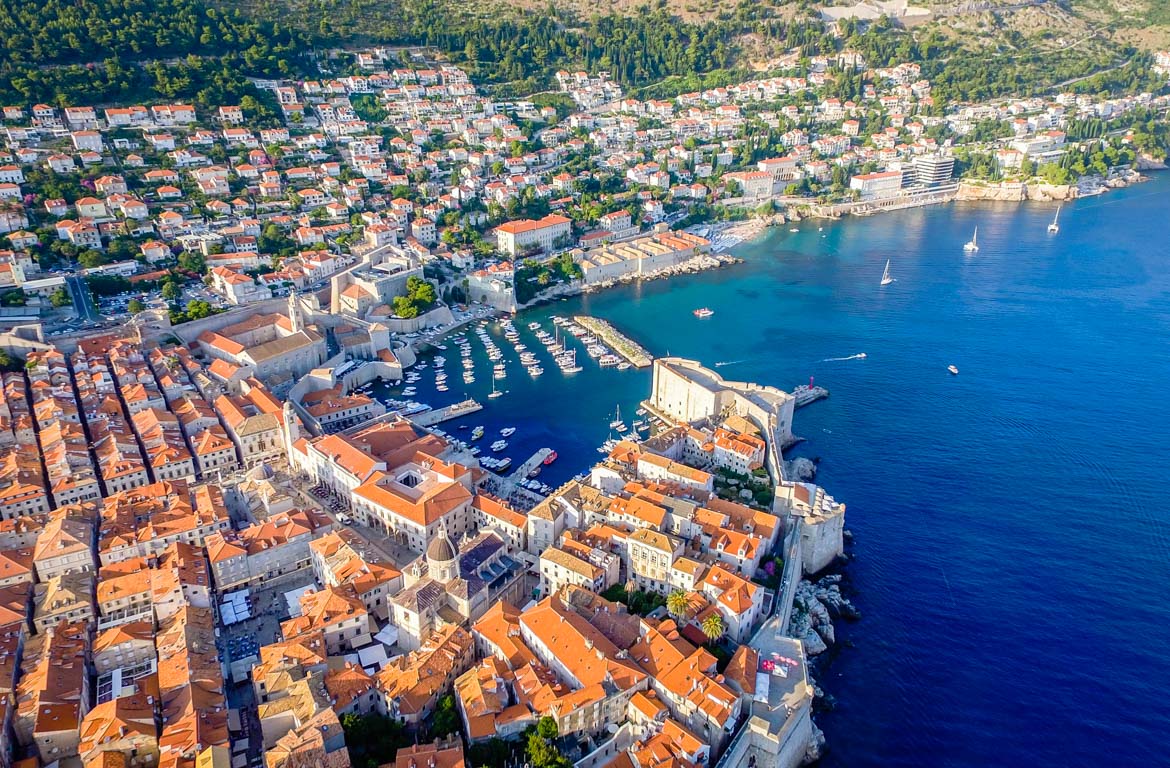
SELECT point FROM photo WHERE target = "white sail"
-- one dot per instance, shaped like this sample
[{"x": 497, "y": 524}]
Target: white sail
[{"x": 886, "y": 279}]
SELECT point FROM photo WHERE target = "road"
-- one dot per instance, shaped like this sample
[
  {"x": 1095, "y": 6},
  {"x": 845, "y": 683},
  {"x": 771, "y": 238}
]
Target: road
[{"x": 82, "y": 299}]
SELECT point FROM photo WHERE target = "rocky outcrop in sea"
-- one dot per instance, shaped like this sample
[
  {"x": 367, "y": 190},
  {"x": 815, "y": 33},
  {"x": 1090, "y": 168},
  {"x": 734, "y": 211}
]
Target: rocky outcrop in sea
[{"x": 814, "y": 607}]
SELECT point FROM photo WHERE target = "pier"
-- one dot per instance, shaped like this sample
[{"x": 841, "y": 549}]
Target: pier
[
  {"x": 536, "y": 460},
  {"x": 439, "y": 415},
  {"x": 619, "y": 342}
]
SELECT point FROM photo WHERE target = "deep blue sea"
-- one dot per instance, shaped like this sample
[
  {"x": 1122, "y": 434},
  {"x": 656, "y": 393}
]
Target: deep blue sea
[{"x": 1012, "y": 534}]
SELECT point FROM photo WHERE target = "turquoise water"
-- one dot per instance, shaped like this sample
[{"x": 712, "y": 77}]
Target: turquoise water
[{"x": 1012, "y": 557}]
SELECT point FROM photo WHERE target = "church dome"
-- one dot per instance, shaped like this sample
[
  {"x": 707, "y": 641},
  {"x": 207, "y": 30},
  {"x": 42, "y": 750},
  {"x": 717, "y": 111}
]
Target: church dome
[{"x": 441, "y": 550}]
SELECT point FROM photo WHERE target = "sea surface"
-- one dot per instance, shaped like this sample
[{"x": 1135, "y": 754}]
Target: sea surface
[{"x": 1011, "y": 523}]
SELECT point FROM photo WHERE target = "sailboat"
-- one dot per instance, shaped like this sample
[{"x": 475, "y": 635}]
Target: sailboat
[
  {"x": 617, "y": 422},
  {"x": 973, "y": 244},
  {"x": 495, "y": 392},
  {"x": 1053, "y": 228},
  {"x": 886, "y": 279}
]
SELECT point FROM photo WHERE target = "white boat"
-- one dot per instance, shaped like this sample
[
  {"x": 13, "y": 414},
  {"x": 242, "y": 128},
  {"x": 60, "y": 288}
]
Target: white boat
[
  {"x": 617, "y": 422},
  {"x": 477, "y": 433},
  {"x": 953, "y": 370},
  {"x": 534, "y": 326},
  {"x": 702, "y": 312},
  {"x": 495, "y": 392},
  {"x": 973, "y": 244},
  {"x": 499, "y": 445},
  {"x": 623, "y": 366},
  {"x": 1053, "y": 228},
  {"x": 507, "y": 431},
  {"x": 886, "y": 279},
  {"x": 503, "y": 463},
  {"x": 535, "y": 370}
]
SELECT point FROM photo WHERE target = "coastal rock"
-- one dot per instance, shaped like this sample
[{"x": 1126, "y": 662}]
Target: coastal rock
[
  {"x": 800, "y": 469},
  {"x": 827, "y": 633},
  {"x": 1051, "y": 192},
  {"x": 816, "y": 745},
  {"x": 813, "y": 644},
  {"x": 1148, "y": 163},
  {"x": 1008, "y": 192}
]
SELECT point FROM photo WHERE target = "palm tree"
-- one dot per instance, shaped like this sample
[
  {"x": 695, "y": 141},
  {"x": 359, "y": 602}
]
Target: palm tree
[
  {"x": 676, "y": 603},
  {"x": 713, "y": 627}
]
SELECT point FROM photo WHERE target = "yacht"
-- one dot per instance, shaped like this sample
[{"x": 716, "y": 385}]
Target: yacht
[
  {"x": 703, "y": 312},
  {"x": 535, "y": 370},
  {"x": 499, "y": 445},
  {"x": 973, "y": 244},
  {"x": 886, "y": 279},
  {"x": 1053, "y": 228}
]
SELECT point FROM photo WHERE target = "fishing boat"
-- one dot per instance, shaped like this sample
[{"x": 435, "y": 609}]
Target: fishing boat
[
  {"x": 703, "y": 312},
  {"x": 972, "y": 245},
  {"x": 953, "y": 370},
  {"x": 1054, "y": 227},
  {"x": 886, "y": 278}
]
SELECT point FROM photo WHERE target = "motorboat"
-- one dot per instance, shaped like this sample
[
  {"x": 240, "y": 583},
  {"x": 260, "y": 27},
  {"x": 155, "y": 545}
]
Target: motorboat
[
  {"x": 499, "y": 445},
  {"x": 508, "y": 431},
  {"x": 703, "y": 312},
  {"x": 953, "y": 370}
]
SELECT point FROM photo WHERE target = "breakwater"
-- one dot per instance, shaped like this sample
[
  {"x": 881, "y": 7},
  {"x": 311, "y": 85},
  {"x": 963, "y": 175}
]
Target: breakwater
[{"x": 622, "y": 344}]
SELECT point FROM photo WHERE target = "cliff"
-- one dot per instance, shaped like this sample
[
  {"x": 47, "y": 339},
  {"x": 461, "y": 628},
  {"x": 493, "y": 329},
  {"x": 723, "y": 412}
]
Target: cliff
[{"x": 1015, "y": 191}]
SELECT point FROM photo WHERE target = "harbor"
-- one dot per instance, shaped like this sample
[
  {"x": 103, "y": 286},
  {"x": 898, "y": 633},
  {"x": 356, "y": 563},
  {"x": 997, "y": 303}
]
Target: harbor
[{"x": 622, "y": 344}]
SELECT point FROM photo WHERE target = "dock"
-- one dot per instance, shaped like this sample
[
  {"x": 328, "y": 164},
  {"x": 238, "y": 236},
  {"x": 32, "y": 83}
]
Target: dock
[
  {"x": 439, "y": 415},
  {"x": 805, "y": 394},
  {"x": 619, "y": 342},
  {"x": 537, "y": 459}
]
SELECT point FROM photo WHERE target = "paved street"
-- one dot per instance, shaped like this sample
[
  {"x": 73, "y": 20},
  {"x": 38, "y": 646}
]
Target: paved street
[{"x": 82, "y": 299}]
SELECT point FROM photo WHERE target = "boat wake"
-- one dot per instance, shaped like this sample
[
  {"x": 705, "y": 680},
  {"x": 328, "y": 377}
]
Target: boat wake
[
  {"x": 728, "y": 362},
  {"x": 858, "y": 356}
]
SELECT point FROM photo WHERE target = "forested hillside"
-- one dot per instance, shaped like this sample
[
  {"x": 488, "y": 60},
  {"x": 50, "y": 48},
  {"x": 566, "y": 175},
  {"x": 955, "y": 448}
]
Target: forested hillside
[
  {"x": 101, "y": 51},
  {"x": 89, "y": 50}
]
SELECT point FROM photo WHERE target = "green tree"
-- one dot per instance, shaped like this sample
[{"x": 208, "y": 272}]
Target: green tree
[
  {"x": 713, "y": 627},
  {"x": 171, "y": 291},
  {"x": 9, "y": 361},
  {"x": 135, "y": 306},
  {"x": 446, "y": 719},
  {"x": 61, "y": 297},
  {"x": 676, "y": 603},
  {"x": 541, "y": 750}
]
